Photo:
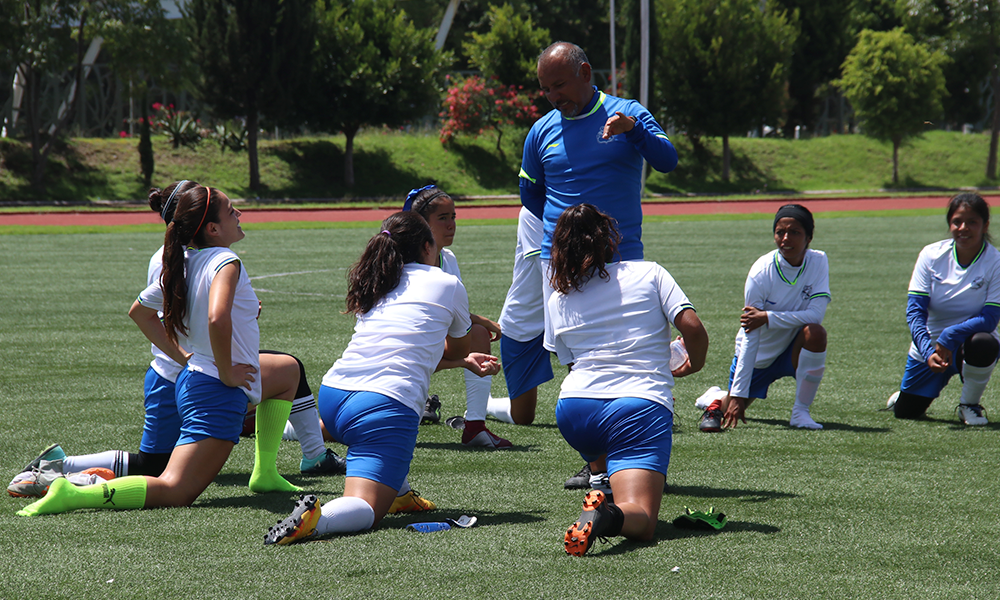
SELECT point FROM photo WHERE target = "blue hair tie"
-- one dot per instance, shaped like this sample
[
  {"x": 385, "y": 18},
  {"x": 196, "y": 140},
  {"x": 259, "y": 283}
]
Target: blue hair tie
[
  {"x": 408, "y": 204},
  {"x": 166, "y": 206}
]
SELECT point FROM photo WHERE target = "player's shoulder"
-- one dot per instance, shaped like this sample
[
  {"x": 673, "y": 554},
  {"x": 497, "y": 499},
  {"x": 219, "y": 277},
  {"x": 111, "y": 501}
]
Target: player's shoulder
[
  {"x": 817, "y": 256},
  {"x": 937, "y": 250},
  {"x": 547, "y": 121},
  {"x": 764, "y": 264}
]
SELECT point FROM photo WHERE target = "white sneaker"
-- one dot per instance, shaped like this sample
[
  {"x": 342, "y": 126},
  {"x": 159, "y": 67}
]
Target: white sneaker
[
  {"x": 711, "y": 395},
  {"x": 802, "y": 420},
  {"x": 972, "y": 414},
  {"x": 892, "y": 400}
]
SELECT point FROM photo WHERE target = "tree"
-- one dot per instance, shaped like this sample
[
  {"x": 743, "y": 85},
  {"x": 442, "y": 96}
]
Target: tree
[
  {"x": 139, "y": 61},
  {"x": 48, "y": 39},
  {"x": 583, "y": 23},
  {"x": 895, "y": 85},
  {"x": 631, "y": 12},
  {"x": 40, "y": 46},
  {"x": 977, "y": 56},
  {"x": 825, "y": 39},
  {"x": 255, "y": 61},
  {"x": 509, "y": 50},
  {"x": 725, "y": 65},
  {"x": 373, "y": 67}
]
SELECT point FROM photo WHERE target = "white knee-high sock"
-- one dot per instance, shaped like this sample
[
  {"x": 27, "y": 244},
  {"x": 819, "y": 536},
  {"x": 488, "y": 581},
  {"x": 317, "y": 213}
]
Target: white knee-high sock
[
  {"x": 808, "y": 375},
  {"x": 304, "y": 418},
  {"x": 289, "y": 434},
  {"x": 346, "y": 514},
  {"x": 975, "y": 379},
  {"x": 116, "y": 460},
  {"x": 477, "y": 396},
  {"x": 499, "y": 409},
  {"x": 403, "y": 489}
]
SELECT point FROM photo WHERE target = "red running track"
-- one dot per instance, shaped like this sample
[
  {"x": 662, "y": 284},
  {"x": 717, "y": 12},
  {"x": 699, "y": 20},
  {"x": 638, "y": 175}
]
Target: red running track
[{"x": 267, "y": 215}]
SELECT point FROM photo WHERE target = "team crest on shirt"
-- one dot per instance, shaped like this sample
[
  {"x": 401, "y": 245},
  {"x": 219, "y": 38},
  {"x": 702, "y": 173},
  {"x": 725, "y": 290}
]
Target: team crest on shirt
[
  {"x": 807, "y": 292},
  {"x": 977, "y": 283},
  {"x": 600, "y": 136}
]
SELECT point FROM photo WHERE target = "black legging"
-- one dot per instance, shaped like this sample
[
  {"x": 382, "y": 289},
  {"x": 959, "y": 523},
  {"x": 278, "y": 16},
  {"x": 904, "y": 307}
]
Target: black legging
[{"x": 979, "y": 350}]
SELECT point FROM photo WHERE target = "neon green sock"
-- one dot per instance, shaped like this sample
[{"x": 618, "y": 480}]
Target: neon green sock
[
  {"x": 121, "y": 493},
  {"x": 271, "y": 418}
]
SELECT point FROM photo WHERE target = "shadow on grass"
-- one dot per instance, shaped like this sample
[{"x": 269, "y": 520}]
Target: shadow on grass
[
  {"x": 700, "y": 491},
  {"x": 317, "y": 171},
  {"x": 68, "y": 177},
  {"x": 485, "y": 518},
  {"x": 458, "y": 447},
  {"x": 666, "y": 532},
  {"x": 483, "y": 165},
  {"x": 699, "y": 170},
  {"x": 951, "y": 422},
  {"x": 827, "y": 426}
]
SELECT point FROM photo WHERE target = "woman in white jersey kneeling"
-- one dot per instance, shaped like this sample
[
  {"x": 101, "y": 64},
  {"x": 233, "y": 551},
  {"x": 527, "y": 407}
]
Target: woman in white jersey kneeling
[
  {"x": 785, "y": 299},
  {"x": 953, "y": 306},
  {"x": 205, "y": 295},
  {"x": 612, "y": 322},
  {"x": 412, "y": 318}
]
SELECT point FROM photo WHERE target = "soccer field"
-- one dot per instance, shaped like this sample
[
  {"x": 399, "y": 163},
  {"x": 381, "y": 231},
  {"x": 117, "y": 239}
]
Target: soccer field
[{"x": 869, "y": 507}]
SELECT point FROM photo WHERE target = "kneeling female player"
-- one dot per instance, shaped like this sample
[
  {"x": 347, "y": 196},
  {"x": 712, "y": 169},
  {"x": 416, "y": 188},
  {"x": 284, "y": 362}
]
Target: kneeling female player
[
  {"x": 412, "y": 318},
  {"x": 785, "y": 299},
  {"x": 611, "y": 321},
  {"x": 206, "y": 296},
  {"x": 953, "y": 307}
]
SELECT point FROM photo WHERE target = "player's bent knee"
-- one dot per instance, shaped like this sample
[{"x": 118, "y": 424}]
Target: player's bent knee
[
  {"x": 911, "y": 406},
  {"x": 981, "y": 349},
  {"x": 145, "y": 463},
  {"x": 814, "y": 337},
  {"x": 480, "y": 338}
]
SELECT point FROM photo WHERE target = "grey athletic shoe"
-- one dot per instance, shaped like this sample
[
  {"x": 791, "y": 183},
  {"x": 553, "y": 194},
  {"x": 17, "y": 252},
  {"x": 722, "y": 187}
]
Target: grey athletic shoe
[
  {"x": 580, "y": 481},
  {"x": 53, "y": 452},
  {"x": 711, "y": 420},
  {"x": 432, "y": 410},
  {"x": 35, "y": 482}
]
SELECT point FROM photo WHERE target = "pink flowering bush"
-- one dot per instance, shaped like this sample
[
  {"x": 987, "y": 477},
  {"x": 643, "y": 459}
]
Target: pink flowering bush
[
  {"x": 474, "y": 106},
  {"x": 178, "y": 125}
]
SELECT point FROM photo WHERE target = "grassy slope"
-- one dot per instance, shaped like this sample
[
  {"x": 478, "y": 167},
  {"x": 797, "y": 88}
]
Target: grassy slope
[
  {"x": 870, "y": 507},
  {"x": 387, "y": 164}
]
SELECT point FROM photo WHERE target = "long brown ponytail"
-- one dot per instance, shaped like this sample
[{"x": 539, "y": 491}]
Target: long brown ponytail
[
  {"x": 402, "y": 240},
  {"x": 194, "y": 209}
]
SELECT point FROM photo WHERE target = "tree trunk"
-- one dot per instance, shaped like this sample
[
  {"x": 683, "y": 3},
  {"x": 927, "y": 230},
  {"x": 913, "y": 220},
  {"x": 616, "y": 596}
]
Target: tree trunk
[
  {"x": 76, "y": 105},
  {"x": 349, "y": 156},
  {"x": 31, "y": 114},
  {"x": 895, "y": 161},
  {"x": 725, "y": 158},
  {"x": 991, "y": 160},
  {"x": 146, "y": 158},
  {"x": 252, "y": 127}
]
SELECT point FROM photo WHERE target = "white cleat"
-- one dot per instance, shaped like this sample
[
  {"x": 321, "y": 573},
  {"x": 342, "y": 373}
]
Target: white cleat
[
  {"x": 892, "y": 400},
  {"x": 972, "y": 414}
]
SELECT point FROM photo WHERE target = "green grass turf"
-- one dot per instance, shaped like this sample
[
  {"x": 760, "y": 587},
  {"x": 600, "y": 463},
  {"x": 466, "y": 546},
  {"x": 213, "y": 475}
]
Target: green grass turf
[{"x": 870, "y": 507}]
